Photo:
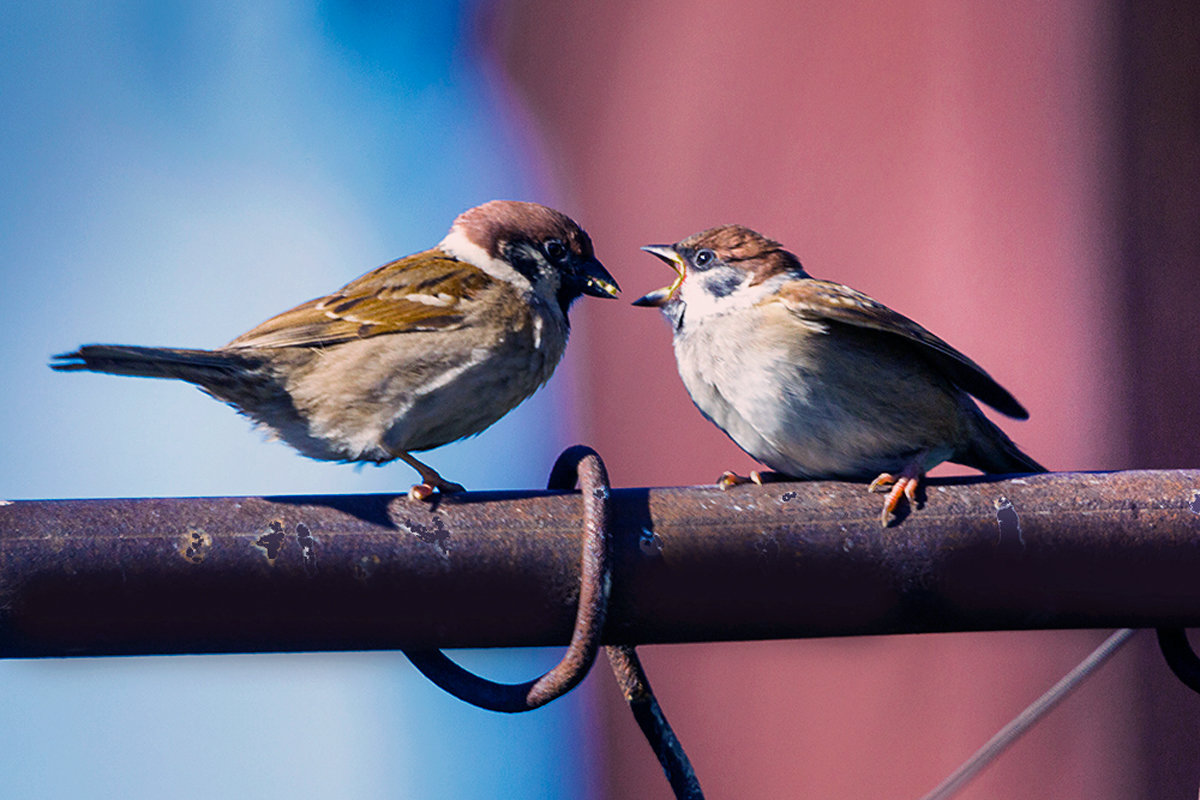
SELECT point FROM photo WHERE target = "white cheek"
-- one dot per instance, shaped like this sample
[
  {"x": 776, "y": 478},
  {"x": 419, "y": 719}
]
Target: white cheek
[
  {"x": 462, "y": 248},
  {"x": 701, "y": 303},
  {"x": 698, "y": 301}
]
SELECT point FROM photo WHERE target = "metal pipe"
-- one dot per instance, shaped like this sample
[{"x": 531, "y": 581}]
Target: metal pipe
[{"x": 1063, "y": 550}]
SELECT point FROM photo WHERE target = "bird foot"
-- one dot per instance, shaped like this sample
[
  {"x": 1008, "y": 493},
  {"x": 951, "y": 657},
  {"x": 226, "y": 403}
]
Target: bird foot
[
  {"x": 729, "y": 478},
  {"x": 430, "y": 480},
  {"x": 904, "y": 485},
  {"x": 424, "y": 491}
]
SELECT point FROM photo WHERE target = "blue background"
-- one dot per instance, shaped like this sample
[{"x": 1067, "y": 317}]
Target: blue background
[{"x": 173, "y": 174}]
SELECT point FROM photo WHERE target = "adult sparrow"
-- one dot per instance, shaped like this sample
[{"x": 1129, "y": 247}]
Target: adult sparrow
[
  {"x": 819, "y": 381},
  {"x": 420, "y": 352}
]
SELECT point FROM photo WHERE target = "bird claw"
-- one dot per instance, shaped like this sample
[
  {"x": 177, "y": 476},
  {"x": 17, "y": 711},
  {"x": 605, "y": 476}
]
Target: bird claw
[
  {"x": 420, "y": 492},
  {"x": 423, "y": 491},
  {"x": 430, "y": 480},
  {"x": 883, "y": 483},
  {"x": 905, "y": 485},
  {"x": 729, "y": 478}
]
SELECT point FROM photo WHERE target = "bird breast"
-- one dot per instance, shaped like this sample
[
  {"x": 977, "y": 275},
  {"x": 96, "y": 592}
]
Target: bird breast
[{"x": 813, "y": 399}]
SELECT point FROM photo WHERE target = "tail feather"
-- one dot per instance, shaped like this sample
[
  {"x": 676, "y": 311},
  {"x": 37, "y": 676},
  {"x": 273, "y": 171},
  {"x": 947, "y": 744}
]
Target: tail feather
[
  {"x": 194, "y": 366},
  {"x": 992, "y": 451}
]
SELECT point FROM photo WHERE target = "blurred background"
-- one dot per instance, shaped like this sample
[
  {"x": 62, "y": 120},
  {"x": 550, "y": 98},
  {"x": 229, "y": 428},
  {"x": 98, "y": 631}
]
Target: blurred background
[{"x": 1021, "y": 178}]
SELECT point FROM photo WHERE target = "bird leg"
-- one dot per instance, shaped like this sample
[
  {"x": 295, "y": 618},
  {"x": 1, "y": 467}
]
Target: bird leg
[
  {"x": 430, "y": 480},
  {"x": 903, "y": 485}
]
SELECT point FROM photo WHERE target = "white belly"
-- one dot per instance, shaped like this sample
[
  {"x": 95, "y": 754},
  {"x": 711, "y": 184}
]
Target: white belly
[
  {"x": 416, "y": 391},
  {"x": 789, "y": 405}
]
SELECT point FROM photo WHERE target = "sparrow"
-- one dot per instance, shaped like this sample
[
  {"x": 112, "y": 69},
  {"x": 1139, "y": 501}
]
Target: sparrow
[
  {"x": 819, "y": 381},
  {"x": 417, "y": 353}
]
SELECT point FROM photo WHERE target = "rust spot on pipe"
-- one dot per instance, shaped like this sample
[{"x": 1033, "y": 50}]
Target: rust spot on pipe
[
  {"x": 650, "y": 543},
  {"x": 272, "y": 542},
  {"x": 308, "y": 547},
  {"x": 194, "y": 545},
  {"x": 1009, "y": 522},
  {"x": 435, "y": 534}
]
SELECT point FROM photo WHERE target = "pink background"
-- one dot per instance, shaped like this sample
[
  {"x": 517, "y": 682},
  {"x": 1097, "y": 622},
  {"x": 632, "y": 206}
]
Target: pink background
[{"x": 995, "y": 171}]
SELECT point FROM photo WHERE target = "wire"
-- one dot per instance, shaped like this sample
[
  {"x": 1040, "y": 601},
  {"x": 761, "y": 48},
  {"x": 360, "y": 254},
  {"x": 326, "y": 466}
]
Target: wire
[{"x": 1029, "y": 717}]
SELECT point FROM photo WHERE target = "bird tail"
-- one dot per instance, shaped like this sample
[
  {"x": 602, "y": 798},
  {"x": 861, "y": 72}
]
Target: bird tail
[
  {"x": 993, "y": 452},
  {"x": 201, "y": 367}
]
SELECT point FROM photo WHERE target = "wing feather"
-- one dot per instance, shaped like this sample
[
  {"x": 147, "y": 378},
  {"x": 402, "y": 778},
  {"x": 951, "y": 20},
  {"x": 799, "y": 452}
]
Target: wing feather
[
  {"x": 426, "y": 291},
  {"x": 826, "y": 301}
]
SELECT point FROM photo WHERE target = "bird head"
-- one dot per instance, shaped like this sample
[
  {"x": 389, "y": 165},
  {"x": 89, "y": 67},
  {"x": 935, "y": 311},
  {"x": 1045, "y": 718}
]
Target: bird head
[
  {"x": 535, "y": 248},
  {"x": 716, "y": 270}
]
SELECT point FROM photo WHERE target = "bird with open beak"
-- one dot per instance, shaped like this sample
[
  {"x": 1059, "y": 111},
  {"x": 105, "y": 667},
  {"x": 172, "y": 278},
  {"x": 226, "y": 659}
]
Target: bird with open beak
[{"x": 819, "y": 381}]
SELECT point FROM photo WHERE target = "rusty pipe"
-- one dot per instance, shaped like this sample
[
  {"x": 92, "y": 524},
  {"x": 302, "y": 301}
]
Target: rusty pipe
[{"x": 1062, "y": 550}]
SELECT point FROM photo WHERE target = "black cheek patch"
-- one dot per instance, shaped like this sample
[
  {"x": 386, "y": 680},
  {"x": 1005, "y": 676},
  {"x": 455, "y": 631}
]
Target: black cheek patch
[
  {"x": 723, "y": 285},
  {"x": 517, "y": 254}
]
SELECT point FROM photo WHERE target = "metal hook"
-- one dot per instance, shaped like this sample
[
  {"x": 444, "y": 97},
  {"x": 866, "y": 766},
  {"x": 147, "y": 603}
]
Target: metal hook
[
  {"x": 1180, "y": 656},
  {"x": 631, "y": 678},
  {"x": 635, "y": 688},
  {"x": 582, "y": 463}
]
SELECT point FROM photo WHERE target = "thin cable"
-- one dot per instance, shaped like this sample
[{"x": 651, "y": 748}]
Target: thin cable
[{"x": 1029, "y": 717}]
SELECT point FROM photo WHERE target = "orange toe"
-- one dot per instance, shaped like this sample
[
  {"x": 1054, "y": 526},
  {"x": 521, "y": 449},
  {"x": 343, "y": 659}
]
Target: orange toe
[
  {"x": 420, "y": 492},
  {"x": 891, "y": 502},
  {"x": 729, "y": 478},
  {"x": 882, "y": 483},
  {"x": 905, "y": 485}
]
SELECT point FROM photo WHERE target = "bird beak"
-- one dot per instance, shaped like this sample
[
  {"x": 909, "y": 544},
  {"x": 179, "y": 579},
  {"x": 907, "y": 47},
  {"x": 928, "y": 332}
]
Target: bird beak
[
  {"x": 596, "y": 280},
  {"x": 660, "y": 296}
]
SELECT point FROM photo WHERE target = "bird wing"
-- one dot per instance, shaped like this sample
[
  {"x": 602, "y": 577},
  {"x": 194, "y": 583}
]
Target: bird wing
[
  {"x": 826, "y": 301},
  {"x": 426, "y": 291}
]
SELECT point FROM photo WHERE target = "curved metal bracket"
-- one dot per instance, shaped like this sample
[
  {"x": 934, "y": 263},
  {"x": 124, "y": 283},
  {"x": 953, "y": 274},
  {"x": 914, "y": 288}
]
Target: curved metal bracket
[
  {"x": 1180, "y": 656},
  {"x": 576, "y": 463},
  {"x": 582, "y": 464}
]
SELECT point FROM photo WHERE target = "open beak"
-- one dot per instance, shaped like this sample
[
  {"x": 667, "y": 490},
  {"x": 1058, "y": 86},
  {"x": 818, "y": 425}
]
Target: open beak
[
  {"x": 596, "y": 280},
  {"x": 660, "y": 296}
]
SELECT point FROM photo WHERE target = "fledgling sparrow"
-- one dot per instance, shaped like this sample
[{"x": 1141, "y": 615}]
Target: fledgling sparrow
[
  {"x": 819, "y": 381},
  {"x": 417, "y": 353}
]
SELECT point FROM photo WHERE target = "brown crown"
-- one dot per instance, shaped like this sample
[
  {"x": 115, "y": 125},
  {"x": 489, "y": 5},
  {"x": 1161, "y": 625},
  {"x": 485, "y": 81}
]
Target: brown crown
[
  {"x": 740, "y": 246},
  {"x": 499, "y": 221}
]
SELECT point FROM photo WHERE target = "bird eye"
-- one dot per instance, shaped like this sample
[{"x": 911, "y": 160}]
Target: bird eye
[
  {"x": 556, "y": 251},
  {"x": 703, "y": 257}
]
